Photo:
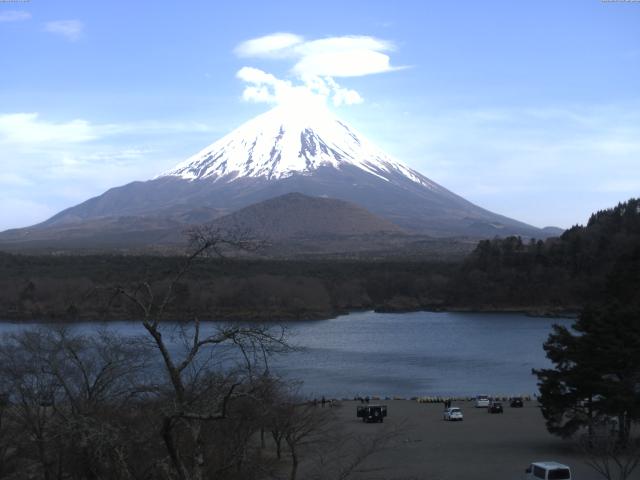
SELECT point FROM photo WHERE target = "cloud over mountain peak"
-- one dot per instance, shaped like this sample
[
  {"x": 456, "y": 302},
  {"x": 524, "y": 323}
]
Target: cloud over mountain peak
[{"x": 316, "y": 64}]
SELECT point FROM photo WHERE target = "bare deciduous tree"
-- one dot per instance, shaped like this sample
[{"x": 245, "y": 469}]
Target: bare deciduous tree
[
  {"x": 302, "y": 426},
  {"x": 610, "y": 458},
  {"x": 183, "y": 401},
  {"x": 345, "y": 456},
  {"x": 196, "y": 401},
  {"x": 64, "y": 398}
]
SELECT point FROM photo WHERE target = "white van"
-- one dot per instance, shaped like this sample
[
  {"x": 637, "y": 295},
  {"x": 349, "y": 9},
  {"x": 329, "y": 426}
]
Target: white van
[
  {"x": 482, "y": 401},
  {"x": 548, "y": 471}
]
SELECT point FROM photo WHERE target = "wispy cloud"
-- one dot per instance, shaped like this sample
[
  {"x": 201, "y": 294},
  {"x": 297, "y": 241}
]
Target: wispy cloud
[
  {"x": 14, "y": 16},
  {"x": 312, "y": 91},
  {"x": 14, "y": 179},
  {"x": 29, "y": 128},
  {"x": 48, "y": 164},
  {"x": 72, "y": 30},
  {"x": 520, "y": 160},
  {"x": 623, "y": 186},
  {"x": 316, "y": 64},
  {"x": 276, "y": 45},
  {"x": 345, "y": 56}
]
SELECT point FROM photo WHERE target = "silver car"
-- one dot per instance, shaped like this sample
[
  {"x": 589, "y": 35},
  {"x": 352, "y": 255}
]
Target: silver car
[
  {"x": 548, "y": 471},
  {"x": 453, "y": 414}
]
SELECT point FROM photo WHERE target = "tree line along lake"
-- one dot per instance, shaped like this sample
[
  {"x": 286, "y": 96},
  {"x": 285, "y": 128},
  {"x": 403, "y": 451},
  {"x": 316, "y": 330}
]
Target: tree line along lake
[{"x": 397, "y": 354}]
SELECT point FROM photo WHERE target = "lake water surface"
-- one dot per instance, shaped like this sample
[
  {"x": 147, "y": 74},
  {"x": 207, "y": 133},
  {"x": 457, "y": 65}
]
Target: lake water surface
[{"x": 404, "y": 354}]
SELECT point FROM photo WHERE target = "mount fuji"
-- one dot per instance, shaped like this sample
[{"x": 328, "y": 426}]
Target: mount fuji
[
  {"x": 286, "y": 142},
  {"x": 282, "y": 151}
]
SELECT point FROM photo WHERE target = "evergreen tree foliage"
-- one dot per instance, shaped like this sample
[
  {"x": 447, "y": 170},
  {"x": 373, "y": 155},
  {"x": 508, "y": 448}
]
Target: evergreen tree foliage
[
  {"x": 596, "y": 375},
  {"x": 561, "y": 273}
]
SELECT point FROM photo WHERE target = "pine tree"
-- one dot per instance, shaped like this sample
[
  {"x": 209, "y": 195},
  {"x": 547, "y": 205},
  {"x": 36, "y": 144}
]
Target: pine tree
[{"x": 596, "y": 374}]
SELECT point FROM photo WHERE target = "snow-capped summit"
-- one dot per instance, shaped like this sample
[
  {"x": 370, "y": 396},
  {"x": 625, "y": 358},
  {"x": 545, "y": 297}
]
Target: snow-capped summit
[
  {"x": 293, "y": 148},
  {"x": 286, "y": 141}
]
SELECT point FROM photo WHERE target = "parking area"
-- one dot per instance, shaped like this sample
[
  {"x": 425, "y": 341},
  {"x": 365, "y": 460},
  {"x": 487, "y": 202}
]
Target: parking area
[{"x": 482, "y": 446}]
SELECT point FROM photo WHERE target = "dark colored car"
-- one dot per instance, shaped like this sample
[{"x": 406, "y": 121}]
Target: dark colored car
[
  {"x": 516, "y": 402},
  {"x": 372, "y": 413},
  {"x": 495, "y": 407}
]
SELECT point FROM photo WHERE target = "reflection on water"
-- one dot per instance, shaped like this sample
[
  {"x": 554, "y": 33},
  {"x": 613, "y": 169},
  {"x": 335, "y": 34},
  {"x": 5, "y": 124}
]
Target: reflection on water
[{"x": 404, "y": 354}]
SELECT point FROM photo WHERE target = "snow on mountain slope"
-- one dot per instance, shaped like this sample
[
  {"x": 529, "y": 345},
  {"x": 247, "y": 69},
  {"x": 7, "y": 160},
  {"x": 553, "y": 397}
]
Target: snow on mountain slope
[
  {"x": 285, "y": 141},
  {"x": 288, "y": 150}
]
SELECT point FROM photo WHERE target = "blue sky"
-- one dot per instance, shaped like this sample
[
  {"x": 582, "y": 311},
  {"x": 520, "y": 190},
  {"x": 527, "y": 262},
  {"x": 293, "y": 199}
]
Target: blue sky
[{"x": 529, "y": 109}]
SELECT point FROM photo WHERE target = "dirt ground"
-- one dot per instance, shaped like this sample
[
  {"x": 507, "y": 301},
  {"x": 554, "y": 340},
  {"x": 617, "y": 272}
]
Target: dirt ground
[{"x": 483, "y": 446}]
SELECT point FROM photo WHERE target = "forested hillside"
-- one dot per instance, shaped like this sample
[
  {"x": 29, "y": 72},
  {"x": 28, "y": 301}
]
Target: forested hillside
[
  {"x": 551, "y": 277},
  {"x": 559, "y": 273},
  {"x": 68, "y": 288}
]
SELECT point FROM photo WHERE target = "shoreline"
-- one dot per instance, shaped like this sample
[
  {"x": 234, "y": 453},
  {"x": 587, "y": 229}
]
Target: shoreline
[
  {"x": 535, "y": 312},
  {"x": 339, "y": 360}
]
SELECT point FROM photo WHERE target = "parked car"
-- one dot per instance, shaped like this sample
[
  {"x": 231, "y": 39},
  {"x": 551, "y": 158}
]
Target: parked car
[
  {"x": 372, "y": 413},
  {"x": 548, "y": 471},
  {"x": 495, "y": 407},
  {"x": 516, "y": 402},
  {"x": 453, "y": 414},
  {"x": 482, "y": 401}
]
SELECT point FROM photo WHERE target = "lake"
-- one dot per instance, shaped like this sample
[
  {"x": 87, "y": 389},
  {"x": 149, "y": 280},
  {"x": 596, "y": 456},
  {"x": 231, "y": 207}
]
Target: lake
[{"x": 404, "y": 354}]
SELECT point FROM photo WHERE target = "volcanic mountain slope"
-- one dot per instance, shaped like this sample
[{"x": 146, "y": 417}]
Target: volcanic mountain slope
[
  {"x": 290, "y": 217},
  {"x": 299, "y": 216},
  {"x": 284, "y": 151}
]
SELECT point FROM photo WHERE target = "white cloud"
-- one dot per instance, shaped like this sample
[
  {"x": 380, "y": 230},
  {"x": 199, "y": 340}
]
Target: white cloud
[
  {"x": 313, "y": 91},
  {"x": 341, "y": 95},
  {"x": 624, "y": 186},
  {"x": 349, "y": 56},
  {"x": 346, "y": 56},
  {"x": 14, "y": 16},
  {"x": 47, "y": 165},
  {"x": 350, "y": 63},
  {"x": 270, "y": 46},
  {"x": 70, "y": 29},
  {"x": 316, "y": 64},
  {"x": 12, "y": 179},
  {"x": 29, "y": 129},
  {"x": 264, "y": 87},
  {"x": 546, "y": 166}
]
